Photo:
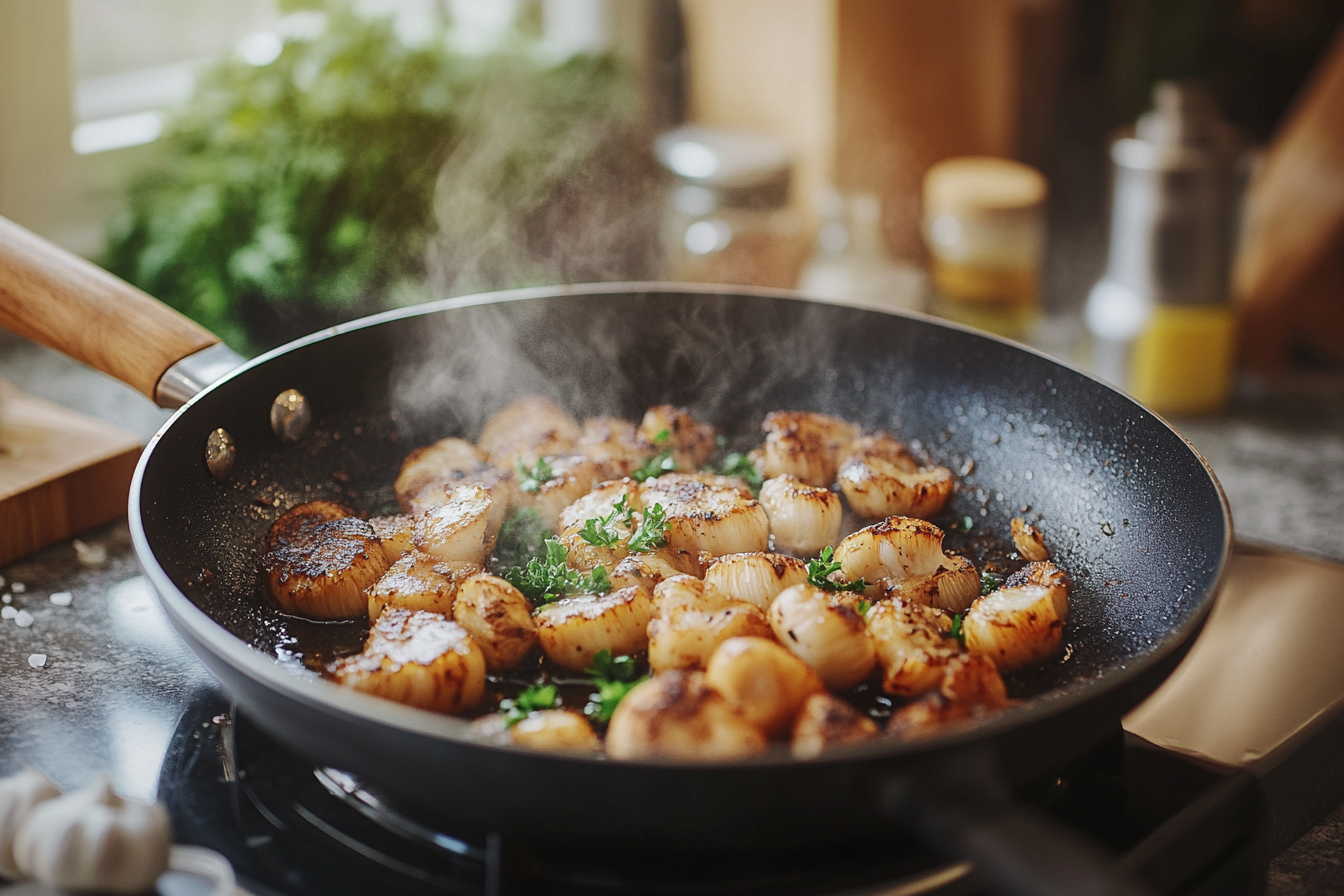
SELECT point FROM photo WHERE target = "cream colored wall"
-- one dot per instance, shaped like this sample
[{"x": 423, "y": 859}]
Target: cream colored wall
[
  {"x": 44, "y": 185},
  {"x": 37, "y": 187},
  {"x": 768, "y": 65},
  {"x": 872, "y": 92}
]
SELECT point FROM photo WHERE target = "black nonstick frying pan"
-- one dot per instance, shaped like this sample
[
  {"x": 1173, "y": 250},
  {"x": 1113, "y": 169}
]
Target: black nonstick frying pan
[{"x": 1128, "y": 508}]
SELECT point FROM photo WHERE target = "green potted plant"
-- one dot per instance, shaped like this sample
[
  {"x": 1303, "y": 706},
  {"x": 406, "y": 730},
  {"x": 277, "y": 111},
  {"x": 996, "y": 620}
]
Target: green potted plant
[{"x": 355, "y": 172}]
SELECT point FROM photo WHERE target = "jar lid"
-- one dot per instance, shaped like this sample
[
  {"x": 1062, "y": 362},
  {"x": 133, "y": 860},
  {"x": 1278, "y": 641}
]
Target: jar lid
[
  {"x": 741, "y": 167},
  {"x": 982, "y": 184}
]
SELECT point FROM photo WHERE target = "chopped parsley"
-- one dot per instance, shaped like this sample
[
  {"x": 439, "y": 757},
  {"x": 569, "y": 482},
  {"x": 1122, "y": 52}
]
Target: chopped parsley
[
  {"x": 601, "y": 532},
  {"x": 520, "y": 539},
  {"x": 547, "y": 578},
  {"x": 596, "y": 582},
  {"x": 604, "y": 531},
  {"x": 613, "y": 668},
  {"x": 652, "y": 532},
  {"x": 662, "y": 436},
  {"x": 532, "y": 480},
  {"x": 819, "y": 573},
  {"x": 614, "y": 677},
  {"x": 962, "y": 524},
  {"x": 538, "y": 696},
  {"x": 956, "y": 629},
  {"x": 738, "y": 464},
  {"x": 655, "y": 466},
  {"x": 989, "y": 582},
  {"x": 864, "y": 607}
]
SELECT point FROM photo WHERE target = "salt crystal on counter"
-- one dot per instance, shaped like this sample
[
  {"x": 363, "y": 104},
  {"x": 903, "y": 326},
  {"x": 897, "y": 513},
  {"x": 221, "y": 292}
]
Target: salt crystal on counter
[
  {"x": 8, "y": 612},
  {"x": 90, "y": 555},
  {"x": 18, "y": 587},
  {"x": 23, "y": 619},
  {"x": 61, "y": 598},
  {"x": 37, "y": 660}
]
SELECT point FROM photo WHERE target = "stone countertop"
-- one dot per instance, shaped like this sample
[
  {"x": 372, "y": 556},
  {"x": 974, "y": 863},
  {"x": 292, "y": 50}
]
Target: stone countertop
[{"x": 1279, "y": 453}]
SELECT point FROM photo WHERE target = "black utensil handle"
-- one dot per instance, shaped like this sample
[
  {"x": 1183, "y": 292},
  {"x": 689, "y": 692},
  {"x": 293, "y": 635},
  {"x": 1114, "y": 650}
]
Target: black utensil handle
[{"x": 1015, "y": 849}]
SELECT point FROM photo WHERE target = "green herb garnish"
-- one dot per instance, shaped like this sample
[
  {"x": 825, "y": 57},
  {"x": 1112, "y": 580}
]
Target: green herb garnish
[
  {"x": 864, "y": 607},
  {"x": 964, "y": 524},
  {"x": 956, "y": 629},
  {"x": 600, "y": 532},
  {"x": 819, "y": 573},
  {"x": 989, "y": 582},
  {"x": 548, "y": 578},
  {"x": 532, "y": 480},
  {"x": 662, "y": 436},
  {"x": 614, "y": 677},
  {"x": 738, "y": 464},
  {"x": 596, "y": 582},
  {"x": 520, "y": 539},
  {"x": 538, "y": 696},
  {"x": 603, "y": 531},
  {"x": 613, "y": 668},
  {"x": 652, "y": 532},
  {"x": 655, "y": 466}
]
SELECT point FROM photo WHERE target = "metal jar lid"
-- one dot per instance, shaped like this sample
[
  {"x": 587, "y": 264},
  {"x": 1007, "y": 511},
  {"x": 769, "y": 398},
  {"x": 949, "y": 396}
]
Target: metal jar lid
[
  {"x": 983, "y": 186},
  {"x": 742, "y": 169}
]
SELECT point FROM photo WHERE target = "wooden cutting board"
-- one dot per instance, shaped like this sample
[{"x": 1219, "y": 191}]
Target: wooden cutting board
[{"x": 60, "y": 472}]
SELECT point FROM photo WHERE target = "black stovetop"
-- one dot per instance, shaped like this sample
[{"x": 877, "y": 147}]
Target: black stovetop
[{"x": 291, "y": 829}]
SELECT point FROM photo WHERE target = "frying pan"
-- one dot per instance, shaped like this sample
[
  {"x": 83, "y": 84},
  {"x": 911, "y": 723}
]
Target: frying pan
[{"x": 1129, "y": 508}]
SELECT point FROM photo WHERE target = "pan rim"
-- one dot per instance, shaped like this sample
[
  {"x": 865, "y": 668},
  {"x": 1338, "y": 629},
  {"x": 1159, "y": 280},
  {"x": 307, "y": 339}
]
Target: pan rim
[{"x": 330, "y": 697}]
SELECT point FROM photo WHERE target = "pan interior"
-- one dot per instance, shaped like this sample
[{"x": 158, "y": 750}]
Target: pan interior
[{"x": 1126, "y": 506}]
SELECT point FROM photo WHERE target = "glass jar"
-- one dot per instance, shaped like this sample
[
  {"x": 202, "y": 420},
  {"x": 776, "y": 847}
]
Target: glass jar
[
  {"x": 728, "y": 217},
  {"x": 985, "y": 228},
  {"x": 851, "y": 263}
]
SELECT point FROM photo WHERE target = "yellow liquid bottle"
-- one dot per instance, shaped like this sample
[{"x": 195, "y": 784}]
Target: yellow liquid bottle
[
  {"x": 1162, "y": 325},
  {"x": 1183, "y": 362}
]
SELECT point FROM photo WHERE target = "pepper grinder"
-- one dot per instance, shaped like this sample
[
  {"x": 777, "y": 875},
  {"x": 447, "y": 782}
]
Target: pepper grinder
[{"x": 1161, "y": 317}]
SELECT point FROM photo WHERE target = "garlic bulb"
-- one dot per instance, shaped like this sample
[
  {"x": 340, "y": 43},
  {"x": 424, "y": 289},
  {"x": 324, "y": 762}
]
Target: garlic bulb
[
  {"x": 94, "y": 840},
  {"x": 18, "y": 796}
]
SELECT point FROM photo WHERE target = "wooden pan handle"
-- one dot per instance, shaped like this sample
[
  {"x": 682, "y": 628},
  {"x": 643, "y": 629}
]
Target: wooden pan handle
[{"x": 56, "y": 298}]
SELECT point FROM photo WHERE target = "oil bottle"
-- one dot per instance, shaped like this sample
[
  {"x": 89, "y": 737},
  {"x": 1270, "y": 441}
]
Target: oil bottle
[{"x": 1161, "y": 317}]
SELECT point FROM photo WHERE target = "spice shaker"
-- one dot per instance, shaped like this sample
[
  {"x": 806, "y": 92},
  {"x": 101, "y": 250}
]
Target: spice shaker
[
  {"x": 985, "y": 228},
  {"x": 728, "y": 218},
  {"x": 1161, "y": 317}
]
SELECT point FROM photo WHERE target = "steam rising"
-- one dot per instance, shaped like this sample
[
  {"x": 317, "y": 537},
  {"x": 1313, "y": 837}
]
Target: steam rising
[
  {"x": 534, "y": 195},
  {"x": 729, "y": 359}
]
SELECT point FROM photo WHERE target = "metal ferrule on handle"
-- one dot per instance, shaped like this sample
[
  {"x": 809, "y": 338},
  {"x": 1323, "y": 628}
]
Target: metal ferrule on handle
[{"x": 185, "y": 379}]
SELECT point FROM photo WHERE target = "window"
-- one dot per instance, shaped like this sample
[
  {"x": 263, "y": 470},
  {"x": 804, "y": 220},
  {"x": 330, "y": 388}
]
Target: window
[{"x": 84, "y": 83}]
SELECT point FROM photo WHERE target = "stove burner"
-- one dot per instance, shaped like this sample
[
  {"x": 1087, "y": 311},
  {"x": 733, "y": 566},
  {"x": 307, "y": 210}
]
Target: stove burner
[{"x": 292, "y": 830}]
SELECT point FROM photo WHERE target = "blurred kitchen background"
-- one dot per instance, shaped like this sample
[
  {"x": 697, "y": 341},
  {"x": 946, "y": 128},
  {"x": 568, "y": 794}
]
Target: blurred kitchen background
[{"x": 273, "y": 166}]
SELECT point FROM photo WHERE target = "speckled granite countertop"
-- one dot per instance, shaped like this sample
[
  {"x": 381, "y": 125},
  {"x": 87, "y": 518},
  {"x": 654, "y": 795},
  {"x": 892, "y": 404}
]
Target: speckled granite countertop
[{"x": 1279, "y": 455}]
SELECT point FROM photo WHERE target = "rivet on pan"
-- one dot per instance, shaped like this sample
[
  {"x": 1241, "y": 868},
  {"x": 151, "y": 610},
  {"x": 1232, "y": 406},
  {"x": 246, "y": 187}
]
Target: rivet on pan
[
  {"x": 290, "y": 416},
  {"x": 220, "y": 453}
]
